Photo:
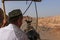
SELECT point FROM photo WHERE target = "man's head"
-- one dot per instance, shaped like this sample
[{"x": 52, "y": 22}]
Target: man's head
[
  {"x": 1, "y": 17},
  {"x": 16, "y": 17}
]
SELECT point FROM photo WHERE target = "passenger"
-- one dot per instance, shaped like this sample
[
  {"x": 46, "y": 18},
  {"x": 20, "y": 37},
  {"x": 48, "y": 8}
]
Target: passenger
[
  {"x": 2, "y": 21},
  {"x": 13, "y": 31}
]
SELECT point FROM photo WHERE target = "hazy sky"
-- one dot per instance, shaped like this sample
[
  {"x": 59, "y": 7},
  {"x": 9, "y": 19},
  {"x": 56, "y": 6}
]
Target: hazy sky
[{"x": 45, "y": 8}]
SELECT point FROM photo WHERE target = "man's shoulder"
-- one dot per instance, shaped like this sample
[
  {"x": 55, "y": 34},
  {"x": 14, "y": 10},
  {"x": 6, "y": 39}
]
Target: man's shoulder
[
  {"x": 20, "y": 32},
  {"x": 2, "y": 28},
  {"x": 5, "y": 29}
]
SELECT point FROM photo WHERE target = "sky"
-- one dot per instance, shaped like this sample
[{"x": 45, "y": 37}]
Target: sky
[{"x": 45, "y": 7}]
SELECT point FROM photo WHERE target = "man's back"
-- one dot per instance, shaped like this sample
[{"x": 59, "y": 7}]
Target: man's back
[{"x": 11, "y": 32}]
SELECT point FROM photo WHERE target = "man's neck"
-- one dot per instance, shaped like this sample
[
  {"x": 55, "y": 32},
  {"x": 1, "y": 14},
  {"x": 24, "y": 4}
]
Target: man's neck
[{"x": 16, "y": 24}]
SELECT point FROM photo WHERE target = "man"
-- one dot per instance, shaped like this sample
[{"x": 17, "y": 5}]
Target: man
[{"x": 12, "y": 31}]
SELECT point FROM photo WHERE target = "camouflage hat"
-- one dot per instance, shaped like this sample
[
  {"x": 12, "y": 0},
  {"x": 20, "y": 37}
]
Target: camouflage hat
[{"x": 14, "y": 13}]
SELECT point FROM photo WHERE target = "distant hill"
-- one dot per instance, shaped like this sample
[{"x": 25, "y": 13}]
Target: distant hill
[{"x": 53, "y": 22}]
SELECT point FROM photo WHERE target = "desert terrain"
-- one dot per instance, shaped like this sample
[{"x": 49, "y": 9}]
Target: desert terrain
[{"x": 48, "y": 27}]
